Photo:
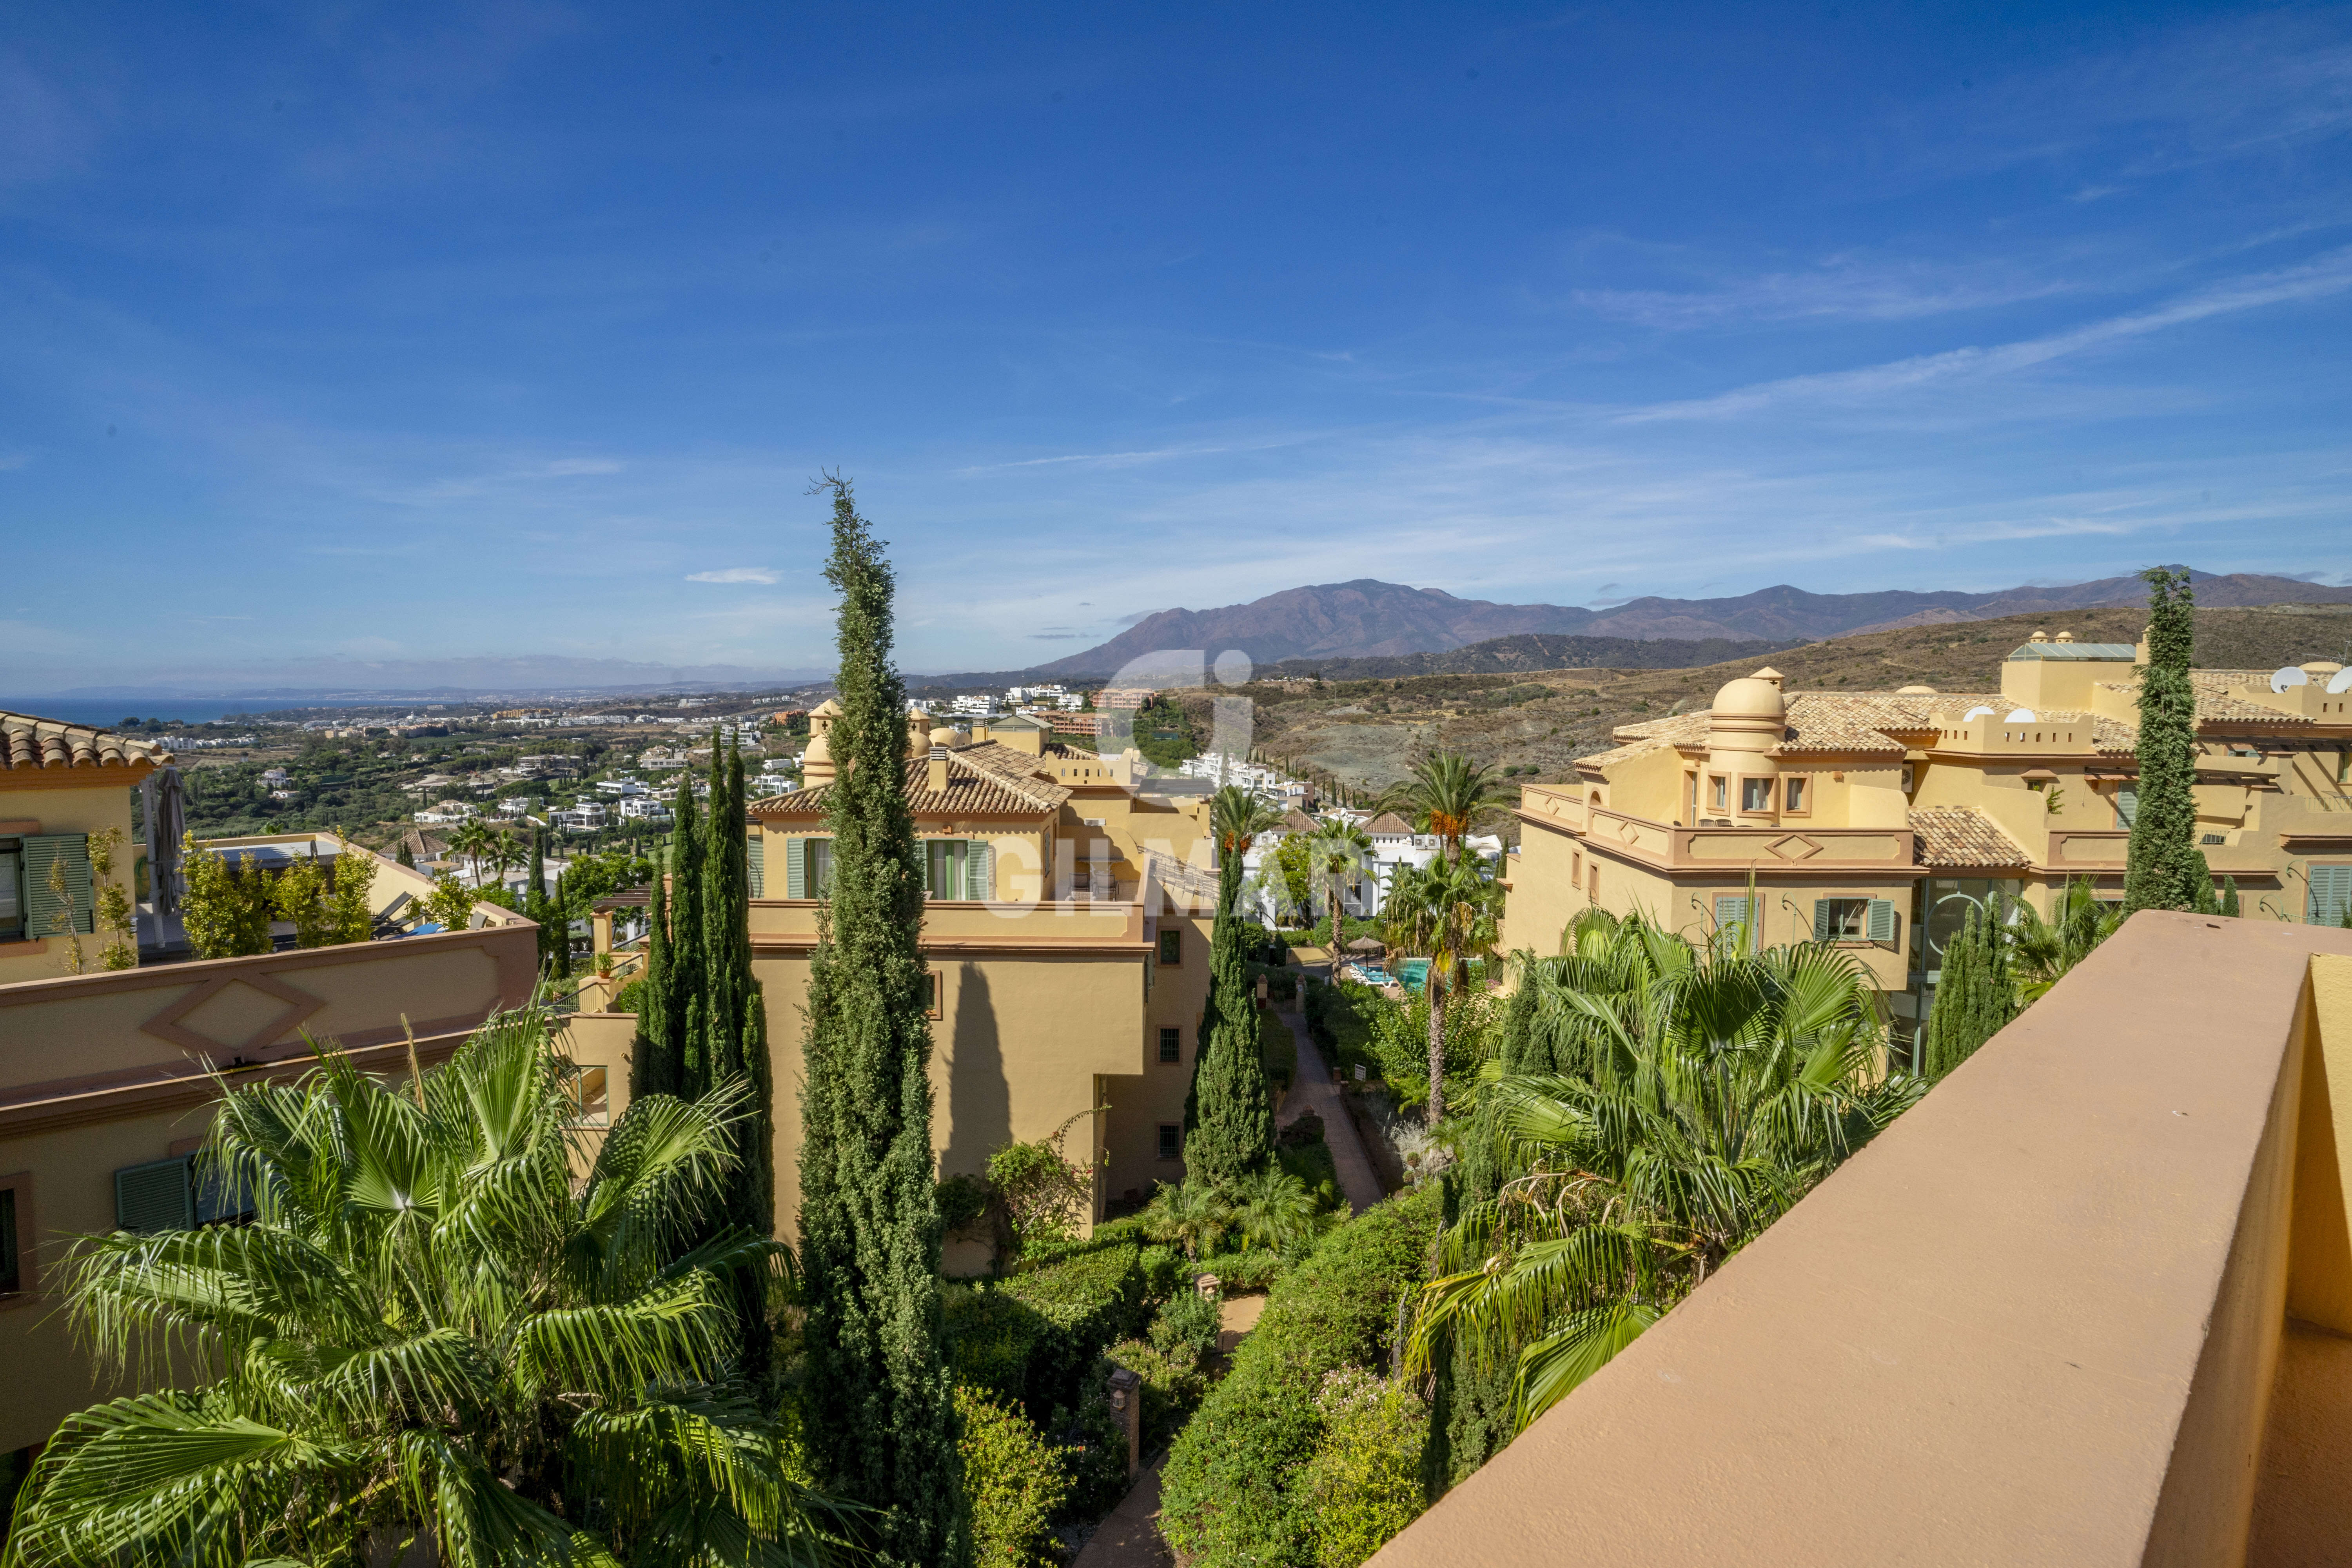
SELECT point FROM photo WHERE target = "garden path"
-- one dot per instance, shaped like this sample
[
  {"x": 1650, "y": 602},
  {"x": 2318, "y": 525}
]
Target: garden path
[
  {"x": 1129, "y": 1537},
  {"x": 1317, "y": 1091}
]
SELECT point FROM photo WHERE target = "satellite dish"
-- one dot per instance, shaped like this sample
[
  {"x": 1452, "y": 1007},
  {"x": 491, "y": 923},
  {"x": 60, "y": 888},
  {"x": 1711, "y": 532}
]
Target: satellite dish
[
  {"x": 2020, "y": 716},
  {"x": 2340, "y": 682},
  {"x": 2289, "y": 676},
  {"x": 1973, "y": 714}
]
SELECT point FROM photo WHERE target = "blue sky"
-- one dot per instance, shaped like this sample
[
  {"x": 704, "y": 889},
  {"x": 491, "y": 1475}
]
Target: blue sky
[{"x": 348, "y": 331}]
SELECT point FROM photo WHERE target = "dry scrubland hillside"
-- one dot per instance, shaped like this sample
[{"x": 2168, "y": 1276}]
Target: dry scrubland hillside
[{"x": 1370, "y": 733}]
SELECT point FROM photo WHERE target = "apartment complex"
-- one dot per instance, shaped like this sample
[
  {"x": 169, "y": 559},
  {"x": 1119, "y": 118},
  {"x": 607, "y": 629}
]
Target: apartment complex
[
  {"x": 1876, "y": 820},
  {"x": 1071, "y": 900},
  {"x": 108, "y": 1076}
]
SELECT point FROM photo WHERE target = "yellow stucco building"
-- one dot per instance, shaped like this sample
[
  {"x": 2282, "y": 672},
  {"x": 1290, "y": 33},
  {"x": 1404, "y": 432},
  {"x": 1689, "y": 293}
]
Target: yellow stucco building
[
  {"x": 1876, "y": 819},
  {"x": 1071, "y": 900},
  {"x": 107, "y": 1076}
]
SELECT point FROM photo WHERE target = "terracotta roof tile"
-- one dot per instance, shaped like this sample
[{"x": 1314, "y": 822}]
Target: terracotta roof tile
[
  {"x": 26, "y": 741},
  {"x": 973, "y": 789},
  {"x": 1961, "y": 835},
  {"x": 1389, "y": 822}
]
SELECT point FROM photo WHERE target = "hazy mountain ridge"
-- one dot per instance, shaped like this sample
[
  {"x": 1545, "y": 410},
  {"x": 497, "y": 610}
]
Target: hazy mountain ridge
[{"x": 1366, "y": 618}]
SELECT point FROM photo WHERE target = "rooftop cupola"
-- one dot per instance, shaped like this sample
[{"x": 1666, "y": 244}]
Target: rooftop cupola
[{"x": 1750, "y": 716}]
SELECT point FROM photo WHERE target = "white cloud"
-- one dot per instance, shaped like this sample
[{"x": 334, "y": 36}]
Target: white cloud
[{"x": 734, "y": 575}]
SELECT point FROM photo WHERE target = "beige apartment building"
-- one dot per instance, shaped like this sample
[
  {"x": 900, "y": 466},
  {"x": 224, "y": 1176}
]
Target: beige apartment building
[
  {"x": 1876, "y": 819},
  {"x": 107, "y": 1076},
  {"x": 1071, "y": 900}
]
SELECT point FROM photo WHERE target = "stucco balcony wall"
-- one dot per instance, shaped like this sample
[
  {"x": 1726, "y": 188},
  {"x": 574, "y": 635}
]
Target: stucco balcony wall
[{"x": 2087, "y": 1303}]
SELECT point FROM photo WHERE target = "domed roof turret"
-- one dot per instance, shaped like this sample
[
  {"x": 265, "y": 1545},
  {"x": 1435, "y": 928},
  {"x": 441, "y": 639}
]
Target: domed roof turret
[{"x": 1756, "y": 696}]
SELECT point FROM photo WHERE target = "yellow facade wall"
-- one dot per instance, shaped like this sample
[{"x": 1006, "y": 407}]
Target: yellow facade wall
[{"x": 63, "y": 800}]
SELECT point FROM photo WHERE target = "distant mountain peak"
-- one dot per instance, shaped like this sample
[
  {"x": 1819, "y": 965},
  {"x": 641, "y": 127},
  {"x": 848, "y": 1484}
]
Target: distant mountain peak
[{"x": 1368, "y": 618}]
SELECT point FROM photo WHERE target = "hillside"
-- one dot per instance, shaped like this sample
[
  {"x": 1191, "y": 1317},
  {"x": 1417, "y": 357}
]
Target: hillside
[
  {"x": 1368, "y": 733},
  {"x": 1371, "y": 619},
  {"x": 1534, "y": 651}
]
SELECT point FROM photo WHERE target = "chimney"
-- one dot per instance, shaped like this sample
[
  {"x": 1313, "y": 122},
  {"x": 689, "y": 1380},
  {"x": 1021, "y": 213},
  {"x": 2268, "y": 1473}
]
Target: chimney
[{"x": 936, "y": 779}]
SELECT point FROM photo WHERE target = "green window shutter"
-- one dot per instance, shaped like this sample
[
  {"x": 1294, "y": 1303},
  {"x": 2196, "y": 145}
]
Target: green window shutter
[
  {"x": 2126, "y": 805},
  {"x": 820, "y": 871},
  {"x": 2331, "y": 893},
  {"x": 43, "y": 908},
  {"x": 153, "y": 1197},
  {"x": 797, "y": 868},
  {"x": 982, "y": 870},
  {"x": 1881, "y": 920},
  {"x": 1821, "y": 920}
]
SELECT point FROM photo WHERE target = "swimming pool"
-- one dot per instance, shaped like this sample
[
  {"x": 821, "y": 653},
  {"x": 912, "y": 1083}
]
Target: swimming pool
[{"x": 1415, "y": 972}]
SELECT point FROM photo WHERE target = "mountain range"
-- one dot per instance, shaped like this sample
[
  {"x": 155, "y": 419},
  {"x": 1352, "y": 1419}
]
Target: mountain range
[{"x": 1368, "y": 618}]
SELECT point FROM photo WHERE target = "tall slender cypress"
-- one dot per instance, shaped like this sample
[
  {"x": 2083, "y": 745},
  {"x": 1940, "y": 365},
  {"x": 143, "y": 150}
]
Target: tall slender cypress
[
  {"x": 653, "y": 1055},
  {"x": 535, "y": 898},
  {"x": 878, "y": 1388},
  {"x": 688, "y": 967},
  {"x": 2229, "y": 904},
  {"x": 2162, "y": 871},
  {"x": 1229, "y": 1111},
  {"x": 1976, "y": 995}
]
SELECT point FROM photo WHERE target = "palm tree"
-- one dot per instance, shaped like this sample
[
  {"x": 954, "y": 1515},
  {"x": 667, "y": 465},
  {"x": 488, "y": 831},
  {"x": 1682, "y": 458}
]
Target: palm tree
[
  {"x": 1275, "y": 1207},
  {"x": 474, "y": 841},
  {"x": 2043, "y": 951},
  {"x": 1696, "y": 1094},
  {"x": 1237, "y": 817},
  {"x": 1449, "y": 913},
  {"x": 426, "y": 1331},
  {"x": 1339, "y": 850},
  {"x": 1192, "y": 1213},
  {"x": 1446, "y": 793}
]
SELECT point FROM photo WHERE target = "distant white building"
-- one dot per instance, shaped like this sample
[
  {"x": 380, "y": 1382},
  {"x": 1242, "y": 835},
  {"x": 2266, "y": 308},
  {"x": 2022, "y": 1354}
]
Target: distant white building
[
  {"x": 446, "y": 811},
  {"x": 644, "y": 808},
  {"x": 623, "y": 786},
  {"x": 275, "y": 777},
  {"x": 588, "y": 816}
]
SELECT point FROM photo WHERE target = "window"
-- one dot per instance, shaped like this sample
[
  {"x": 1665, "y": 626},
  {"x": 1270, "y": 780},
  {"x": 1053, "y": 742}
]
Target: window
[
  {"x": 1755, "y": 794},
  {"x": 1575, "y": 865},
  {"x": 1910, "y": 777},
  {"x": 12, "y": 897},
  {"x": 1172, "y": 1044},
  {"x": 153, "y": 1197},
  {"x": 2126, "y": 805},
  {"x": 2331, "y": 895},
  {"x": 958, "y": 868},
  {"x": 1717, "y": 796},
  {"x": 1171, "y": 947},
  {"x": 1690, "y": 796},
  {"x": 935, "y": 988},
  {"x": 1730, "y": 910},
  {"x": 2213, "y": 838},
  {"x": 1171, "y": 1141},
  {"x": 1839, "y": 919},
  {"x": 1793, "y": 798},
  {"x": 1594, "y": 892},
  {"x": 44, "y": 861},
  {"x": 808, "y": 868},
  {"x": 1854, "y": 920}
]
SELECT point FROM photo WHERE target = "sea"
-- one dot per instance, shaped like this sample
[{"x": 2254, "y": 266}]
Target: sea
[{"x": 109, "y": 712}]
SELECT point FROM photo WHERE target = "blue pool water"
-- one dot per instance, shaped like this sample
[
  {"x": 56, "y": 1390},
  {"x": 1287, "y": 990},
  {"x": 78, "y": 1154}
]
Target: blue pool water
[{"x": 1415, "y": 971}]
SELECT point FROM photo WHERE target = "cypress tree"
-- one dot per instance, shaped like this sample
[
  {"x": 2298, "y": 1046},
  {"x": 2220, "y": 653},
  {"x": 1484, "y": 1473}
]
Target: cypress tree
[
  {"x": 878, "y": 1385},
  {"x": 407, "y": 856},
  {"x": 652, "y": 1061},
  {"x": 1228, "y": 1110},
  {"x": 2161, "y": 873},
  {"x": 683, "y": 1005},
  {"x": 2200, "y": 885},
  {"x": 2230, "y": 905},
  {"x": 534, "y": 901},
  {"x": 734, "y": 1034},
  {"x": 1974, "y": 995}
]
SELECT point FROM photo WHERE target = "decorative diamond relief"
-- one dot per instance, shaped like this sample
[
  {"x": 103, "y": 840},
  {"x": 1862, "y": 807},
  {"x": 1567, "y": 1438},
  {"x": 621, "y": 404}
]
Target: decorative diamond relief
[
  {"x": 1794, "y": 848},
  {"x": 231, "y": 1013}
]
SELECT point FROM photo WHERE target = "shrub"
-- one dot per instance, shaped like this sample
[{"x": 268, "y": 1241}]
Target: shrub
[
  {"x": 1312, "y": 1163},
  {"x": 1191, "y": 1321},
  {"x": 1013, "y": 1481},
  {"x": 1308, "y": 1129},
  {"x": 1364, "y": 1485},
  {"x": 1093, "y": 1444},
  {"x": 1030, "y": 1339},
  {"x": 1278, "y": 1048},
  {"x": 1230, "y": 1491},
  {"x": 1174, "y": 1383}
]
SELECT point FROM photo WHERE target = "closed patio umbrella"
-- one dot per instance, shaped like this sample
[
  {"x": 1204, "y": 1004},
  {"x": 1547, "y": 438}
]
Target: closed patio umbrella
[{"x": 167, "y": 824}]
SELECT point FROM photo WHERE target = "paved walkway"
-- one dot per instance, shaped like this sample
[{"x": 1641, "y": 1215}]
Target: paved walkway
[
  {"x": 1316, "y": 1091},
  {"x": 1129, "y": 1537}
]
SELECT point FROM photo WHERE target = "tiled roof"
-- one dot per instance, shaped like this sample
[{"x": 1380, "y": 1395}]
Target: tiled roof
[
  {"x": 1389, "y": 822},
  {"x": 973, "y": 790},
  {"x": 1960, "y": 835},
  {"x": 1297, "y": 822},
  {"x": 26, "y": 741},
  {"x": 2215, "y": 704},
  {"x": 1849, "y": 721}
]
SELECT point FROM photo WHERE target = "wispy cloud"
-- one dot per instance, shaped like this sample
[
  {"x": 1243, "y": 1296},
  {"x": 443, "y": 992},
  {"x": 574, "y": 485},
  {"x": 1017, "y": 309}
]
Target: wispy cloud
[
  {"x": 2329, "y": 274},
  {"x": 735, "y": 574},
  {"x": 1840, "y": 289}
]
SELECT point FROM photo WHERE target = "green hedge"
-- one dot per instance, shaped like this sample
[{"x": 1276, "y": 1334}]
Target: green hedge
[
  {"x": 1029, "y": 1339},
  {"x": 1230, "y": 1492},
  {"x": 1278, "y": 1048}
]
